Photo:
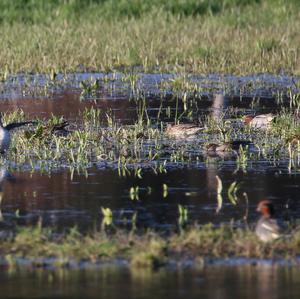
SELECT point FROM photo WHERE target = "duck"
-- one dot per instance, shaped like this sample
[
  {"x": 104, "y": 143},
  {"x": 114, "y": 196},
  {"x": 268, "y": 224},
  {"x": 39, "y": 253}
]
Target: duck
[
  {"x": 225, "y": 149},
  {"x": 268, "y": 227},
  {"x": 60, "y": 129},
  {"x": 5, "y": 133},
  {"x": 181, "y": 131},
  {"x": 45, "y": 130},
  {"x": 262, "y": 121}
]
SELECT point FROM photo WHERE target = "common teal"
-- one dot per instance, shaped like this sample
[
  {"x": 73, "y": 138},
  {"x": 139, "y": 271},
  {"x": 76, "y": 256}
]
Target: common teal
[
  {"x": 225, "y": 149},
  {"x": 268, "y": 227}
]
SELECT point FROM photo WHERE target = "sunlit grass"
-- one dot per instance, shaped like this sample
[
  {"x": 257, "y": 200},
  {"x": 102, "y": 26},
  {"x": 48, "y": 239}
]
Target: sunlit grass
[
  {"x": 258, "y": 38},
  {"x": 150, "y": 249},
  {"x": 97, "y": 138}
]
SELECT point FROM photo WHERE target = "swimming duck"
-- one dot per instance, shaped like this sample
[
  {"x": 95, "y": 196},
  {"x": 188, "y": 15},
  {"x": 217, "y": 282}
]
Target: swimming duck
[
  {"x": 5, "y": 137},
  {"x": 262, "y": 121},
  {"x": 182, "y": 131},
  {"x": 267, "y": 228},
  {"x": 225, "y": 149}
]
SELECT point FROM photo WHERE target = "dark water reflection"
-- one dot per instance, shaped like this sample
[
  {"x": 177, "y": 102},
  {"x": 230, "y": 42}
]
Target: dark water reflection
[
  {"x": 64, "y": 201},
  {"x": 226, "y": 282},
  {"x": 69, "y": 105}
]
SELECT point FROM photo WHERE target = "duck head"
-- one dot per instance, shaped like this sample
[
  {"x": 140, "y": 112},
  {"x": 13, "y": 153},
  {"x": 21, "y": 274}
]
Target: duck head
[
  {"x": 247, "y": 119},
  {"x": 211, "y": 147},
  {"x": 266, "y": 208}
]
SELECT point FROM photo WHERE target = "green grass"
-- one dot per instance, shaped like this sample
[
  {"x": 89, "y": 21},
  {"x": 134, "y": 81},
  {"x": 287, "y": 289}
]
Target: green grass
[
  {"x": 149, "y": 249},
  {"x": 239, "y": 37},
  {"x": 45, "y": 11}
]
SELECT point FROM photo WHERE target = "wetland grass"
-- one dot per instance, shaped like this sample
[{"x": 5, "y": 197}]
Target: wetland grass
[
  {"x": 226, "y": 37},
  {"x": 98, "y": 138},
  {"x": 40, "y": 246}
]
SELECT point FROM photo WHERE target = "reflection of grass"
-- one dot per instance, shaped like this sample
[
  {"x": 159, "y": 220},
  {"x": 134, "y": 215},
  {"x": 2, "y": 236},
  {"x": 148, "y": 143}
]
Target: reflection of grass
[
  {"x": 169, "y": 36},
  {"x": 143, "y": 250}
]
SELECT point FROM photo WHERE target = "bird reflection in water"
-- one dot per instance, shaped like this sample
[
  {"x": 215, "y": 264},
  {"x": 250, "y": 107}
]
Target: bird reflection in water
[{"x": 5, "y": 226}]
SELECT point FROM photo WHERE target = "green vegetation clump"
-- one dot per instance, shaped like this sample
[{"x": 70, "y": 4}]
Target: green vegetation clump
[{"x": 41, "y": 246}]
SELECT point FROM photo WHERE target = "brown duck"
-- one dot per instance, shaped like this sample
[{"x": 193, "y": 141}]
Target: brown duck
[
  {"x": 226, "y": 148},
  {"x": 262, "y": 121},
  {"x": 182, "y": 131}
]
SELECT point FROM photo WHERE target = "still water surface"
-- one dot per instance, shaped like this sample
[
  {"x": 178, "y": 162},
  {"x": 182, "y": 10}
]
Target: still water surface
[
  {"x": 62, "y": 200},
  {"x": 213, "y": 282}
]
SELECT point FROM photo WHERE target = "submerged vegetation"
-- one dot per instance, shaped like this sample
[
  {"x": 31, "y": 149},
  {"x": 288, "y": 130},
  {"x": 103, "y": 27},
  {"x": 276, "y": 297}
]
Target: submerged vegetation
[{"x": 236, "y": 36}]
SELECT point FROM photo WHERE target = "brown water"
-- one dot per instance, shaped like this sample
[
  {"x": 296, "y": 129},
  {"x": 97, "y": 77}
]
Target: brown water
[
  {"x": 37, "y": 95},
  {"x": 226, "y": 282},
  {"x": 65, "y": 201}
]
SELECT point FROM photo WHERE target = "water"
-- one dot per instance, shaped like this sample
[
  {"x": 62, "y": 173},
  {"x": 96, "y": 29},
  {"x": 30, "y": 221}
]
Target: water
[
  {"x": 64, "y": 199},
  {"x": 262, "y": 281},
  {"x": 117, "y": 85},
  {"x": 37, "y": 95}
]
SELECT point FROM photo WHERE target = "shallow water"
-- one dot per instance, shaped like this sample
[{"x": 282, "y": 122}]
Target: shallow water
[
  {"x": 64, "y": 200},
  {"x": 37, "y": 95},
  {"x": 116, "y": 85},
  {"x": 262, "y": 281}
]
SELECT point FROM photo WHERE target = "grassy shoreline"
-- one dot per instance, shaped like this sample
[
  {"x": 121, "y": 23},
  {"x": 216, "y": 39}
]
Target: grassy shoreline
[
  {"x": 41, "y": 247},
  {"x": 240, "y": 39}
]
